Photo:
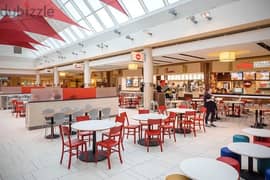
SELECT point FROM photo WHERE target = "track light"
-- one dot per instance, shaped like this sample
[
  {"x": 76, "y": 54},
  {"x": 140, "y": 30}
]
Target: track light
[
  {"x": 75, "y": 54},
  {"x": 173, "y": 12},
  {"x": 81, "y": 44},
  {"x": 102, "y": 45},
  {"x": 129, "y": 37},
  {"x": 206, "y": 15},
  {"x": 117, "y": 32},
  {"x": 193, "y": 19},
  {"x": 148, "y": 33}
]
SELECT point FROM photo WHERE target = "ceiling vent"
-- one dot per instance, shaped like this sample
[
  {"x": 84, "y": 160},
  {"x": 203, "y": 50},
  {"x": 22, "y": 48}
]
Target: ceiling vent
[
  {"x": 263, "y": 45},
  {"x": 17, "y": 50}
]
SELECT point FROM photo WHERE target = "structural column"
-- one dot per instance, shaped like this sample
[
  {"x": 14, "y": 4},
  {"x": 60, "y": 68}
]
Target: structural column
[
  {"x": 148, "y": 77},
  {"x": 86, "y": 74},
  {"x": 55, "y": 77},
  {"x": 37, "y": 79}
]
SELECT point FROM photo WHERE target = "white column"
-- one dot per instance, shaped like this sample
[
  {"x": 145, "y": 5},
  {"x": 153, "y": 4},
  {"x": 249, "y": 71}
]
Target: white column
[
  {"x": 55, "y": 77},
  {"x": 86, "y": 74},
  {"x": 38, "y": 79},
  {"x": 148, "y": 77}
]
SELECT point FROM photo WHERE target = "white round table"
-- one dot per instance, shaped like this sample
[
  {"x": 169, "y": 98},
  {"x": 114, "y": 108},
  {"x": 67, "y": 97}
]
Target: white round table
[
  {"x": 257, "y": 132},
  {"x": 93, "y": 125},
  {"x": 180, "y": 111},
  {"x": 208, "y": 169},
  {"x": 145, "y": 117},
  {"x": 252, "y": 151}
]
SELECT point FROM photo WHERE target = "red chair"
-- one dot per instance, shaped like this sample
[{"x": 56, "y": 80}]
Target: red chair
[
  {"x": 188, "y": 122},
  {"x": 169, "y": 126},
  {"x": 111, "y": 144},
  {"x": 200, "y": 118},
  {"x": 162, "y": 109},
  {"x": 182, "y": 106},
  {"x": 153, "y": 132},
  {"x": 13, "y": 102},
  {"x": 231, "y": 162},
  {"x": 70, "y": 144},
  {"x": 261, "y": 140},
  {"x": 19, "y": 109},
  {"x": 82, "y": 134},
  {"x": 143, "y": 111},
  {"x": 132, "y": 129}
]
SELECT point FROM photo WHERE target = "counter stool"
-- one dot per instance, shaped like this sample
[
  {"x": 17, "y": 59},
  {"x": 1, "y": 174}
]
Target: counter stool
[
  {"x": 230, "y": 161},
  {"x": 225, "y": 152},
  {"x": 263, "y": 165},
  {"x": 49, "y": 118},
  {"x": 240, "y": 138},
  {"x": 267, "y": 174},
  {"x": 176, "y": 177},
  {"x": 94, "y": 114},
  {"x": 105, "y": 113}
]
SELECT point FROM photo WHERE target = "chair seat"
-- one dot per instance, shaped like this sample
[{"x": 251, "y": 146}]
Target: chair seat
[
  {"x": 74, "y": 142},
  {"x": 85, "y": 133},
  {"x": 230, "y": 161},
  {"x": 107, "y": 143},
  {"x": 167, "y": 126},
  {"x": 152, "y": 132},
  {"x": 133, "y": 126}
]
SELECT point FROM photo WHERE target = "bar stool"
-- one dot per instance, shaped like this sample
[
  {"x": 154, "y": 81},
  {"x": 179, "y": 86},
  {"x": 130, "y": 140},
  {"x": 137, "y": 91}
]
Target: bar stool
[
  {"x": 68, "y": 112},
  {"x": 105, "y": 113},
  {"x": 48, "y": 115},
  {"x": 176, "y": 177},
  {"x": 94, "y": 114}
]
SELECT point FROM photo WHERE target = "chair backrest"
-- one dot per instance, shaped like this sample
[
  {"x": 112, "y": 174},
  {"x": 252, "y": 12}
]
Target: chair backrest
[
  {"x": 116, "y": 133},
  {"x": 162, "y": 109},
  {"x": 65, "y": 134},
  {"x": 143, "y": 111},
  {"x": 171, "y": 118},
  {"x": 183, "y": 106},
  {"x": 190, "y": 115},
  {"x": 77, "y": 113},
  {"x": 154, "y": 124},
  {"x": 94, "y": 114},
  {"x": 120, "y": 119},
  {"x": 124, "y": 114},
  {"x": 105, "y": 113},
  {"x": 82, "y": 118},
  {"x": 202, "y": 113}
]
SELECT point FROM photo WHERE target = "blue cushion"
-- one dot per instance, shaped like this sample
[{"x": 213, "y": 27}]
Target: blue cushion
[
  {"x": 267, "y": 174},
  {"x": 228, "y": 153},
  {"x": 240, "y": 138}
]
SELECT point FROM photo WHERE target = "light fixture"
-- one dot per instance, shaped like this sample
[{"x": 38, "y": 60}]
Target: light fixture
[
  {"x": 117, "y": 32},
  {"x": 129, "y": 37},
  {"x": 172, "y": 12},
  {"x": 102, "y": 45},
  {"x": 227, "y": 56},
  {"x": 148, "y": 32},
  {"x": 132, "y": 66},
  {"x": 193, "y": 19},
  {"x": 62, "y": 74},
  {"x": 206, "y": 15}
]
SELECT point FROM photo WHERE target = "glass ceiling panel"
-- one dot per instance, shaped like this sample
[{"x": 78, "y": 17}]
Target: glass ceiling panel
[
  {"x": 105, "y": 18},
  {"x": 70, "y": 34},
  {"x": 82, "y": 6},
  {"x": 65, "y": 37},
  {"x": 78, "y": 32},
  {"x": 83, "y": 24},
  {"x": 64, "y": 1},
  {"x": 153, "y": 5},
  {"x": 95, "y": 4},
  {"x": 96, "y": 25},
  {"x": 74, "y": 13},
  {"x": 172, "y": 1},
  {"x": 120, "y": 17},
  {"x": 134, "y": 8}
]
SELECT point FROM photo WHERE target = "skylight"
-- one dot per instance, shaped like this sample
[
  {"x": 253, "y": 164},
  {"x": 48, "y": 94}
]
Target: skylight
[
  {"x": 134, "y": 8},
  {"x": 95, "y": 4},
  {"x": 120, "y": 17},
  {"x": 105, "y": 18},
  {"x": 82, "y": 6},
  {"x": 74, "y": 13},
  {"x": 153, "y": 5},
  {"x": 94, "y": 22}
]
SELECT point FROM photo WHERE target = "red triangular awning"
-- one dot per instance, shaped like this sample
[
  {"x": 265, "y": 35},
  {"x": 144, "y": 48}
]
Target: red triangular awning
[
  {"x": 35, "y": 24},
  {"x": 17, "y": 43},
  {"x": 115, "y": 4},
  {"x": 44, "y": 8}
]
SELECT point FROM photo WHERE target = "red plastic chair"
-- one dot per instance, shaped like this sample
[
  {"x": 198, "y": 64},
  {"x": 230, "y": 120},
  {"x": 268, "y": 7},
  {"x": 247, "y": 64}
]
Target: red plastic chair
[
  {"x": 169, "y": 126},
  {"x": 13, "y": 102},
  {"x": 132, "y": 129},
  {"x": 82, "y": 134},
  {"x": 19, "y": 109},
  {"x": 153, "y": 132},
  {"x": 262, "y": 141},
  {"x": 111, "y": 144},
  {"x": 182, "y": 106},
  {"x": 188, "y": 122},
  {"x": 200, "y": 118},
  {"x": 70, "y": 144},
  {"x": 162, "y": 109},
  {"x": 142, "y": 124}
]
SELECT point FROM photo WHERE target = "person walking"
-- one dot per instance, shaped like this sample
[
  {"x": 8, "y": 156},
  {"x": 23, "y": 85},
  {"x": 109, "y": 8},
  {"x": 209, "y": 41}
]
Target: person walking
[{"x": 211, "y": 108}]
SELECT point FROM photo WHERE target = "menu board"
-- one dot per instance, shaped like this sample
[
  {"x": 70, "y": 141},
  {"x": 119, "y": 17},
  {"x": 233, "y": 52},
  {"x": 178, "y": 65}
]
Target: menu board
[
  {"x": 236, "y": 76},
  {"x": 249, "y": 75},
  {"x": 262, "y": 75}
]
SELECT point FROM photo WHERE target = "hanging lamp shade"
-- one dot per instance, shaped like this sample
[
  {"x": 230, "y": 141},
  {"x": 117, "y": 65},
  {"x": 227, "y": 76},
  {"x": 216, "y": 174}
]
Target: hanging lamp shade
[
  {"x": 227, "y": 56},
  {"x": 132, "y": 66}
]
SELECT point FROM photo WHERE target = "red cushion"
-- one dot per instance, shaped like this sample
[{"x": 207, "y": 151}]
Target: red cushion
[{"x": 230, "y": 161}]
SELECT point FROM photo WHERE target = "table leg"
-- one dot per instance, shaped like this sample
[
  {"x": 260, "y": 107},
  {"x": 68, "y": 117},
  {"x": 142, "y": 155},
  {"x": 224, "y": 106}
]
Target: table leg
[
  {"x": 249, "y": 174},
  {"x": 91, "y": 153},
  {"x": 180, "y": 129},
  {"x": 52, "y": 135},
  {"x": 69, "y": 125}
]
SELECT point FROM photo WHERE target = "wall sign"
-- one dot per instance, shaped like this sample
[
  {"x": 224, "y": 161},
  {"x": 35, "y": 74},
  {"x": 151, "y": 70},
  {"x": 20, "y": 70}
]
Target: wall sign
[
  {"x": 244, "y": 65},
  {"x": 261, "y": 64},
  {"x": 137, "y": 56}
]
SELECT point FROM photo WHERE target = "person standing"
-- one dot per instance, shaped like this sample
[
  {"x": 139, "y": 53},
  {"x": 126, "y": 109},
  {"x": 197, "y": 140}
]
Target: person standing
[{"x": 211, "y": 108}]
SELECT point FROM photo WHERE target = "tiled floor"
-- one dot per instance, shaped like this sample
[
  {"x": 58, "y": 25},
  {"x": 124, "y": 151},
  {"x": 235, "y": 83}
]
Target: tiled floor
[{"x": 27, "y": 155}]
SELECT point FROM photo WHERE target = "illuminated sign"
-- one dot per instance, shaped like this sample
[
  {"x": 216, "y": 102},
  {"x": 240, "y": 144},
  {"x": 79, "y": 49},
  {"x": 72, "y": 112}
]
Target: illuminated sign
[
  {"x": 137, "y": 56},
  {"x": 261, "y": 64},
  {"x": 244, "y": 65}
]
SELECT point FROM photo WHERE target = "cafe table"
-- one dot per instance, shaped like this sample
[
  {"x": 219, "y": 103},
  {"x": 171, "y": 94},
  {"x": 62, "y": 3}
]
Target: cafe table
[
  {"x": 94, "y": 126},
  {"x": 200, "y": 168},
  {"x": 233, "y": 106},
  {"x": 251, "y": 151},
  {"x": 180, "y": 112},
  {"x": 144, "y": 118},
  {"x": 264, "y": 133}
]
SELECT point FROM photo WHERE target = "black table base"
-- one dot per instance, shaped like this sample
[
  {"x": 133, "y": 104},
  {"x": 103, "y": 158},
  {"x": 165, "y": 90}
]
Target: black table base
[
  {"x": 90, "y": 156},
  {"x": 152, "y": 142},
  {"x": 181, "y": 130},
  {"x": 245, "y": 174},
  {"x": 52, "y": 136}
]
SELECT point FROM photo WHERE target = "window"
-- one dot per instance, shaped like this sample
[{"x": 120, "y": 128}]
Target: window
[
  {"x": 82, "y": 6},
  {"x": 88, "y": 30},
  {"x": 95, "y": 4},
  {"x": 74, "y": 13},
  {"x": 153, "y": 5},
  {"x": 65, "y": 37},
  {"x": 70, "y": 34},
  {"x": 96, "y": 25},
  {"x": 105, "y": 18},
  {"x": 78, "y": 32},
  {"x": 134, "y": 8},
  {"x": 119, "y": 16}
]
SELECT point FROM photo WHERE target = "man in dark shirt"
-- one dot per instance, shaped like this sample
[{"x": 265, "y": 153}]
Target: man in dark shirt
[{"x": 211, "y": 107}]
